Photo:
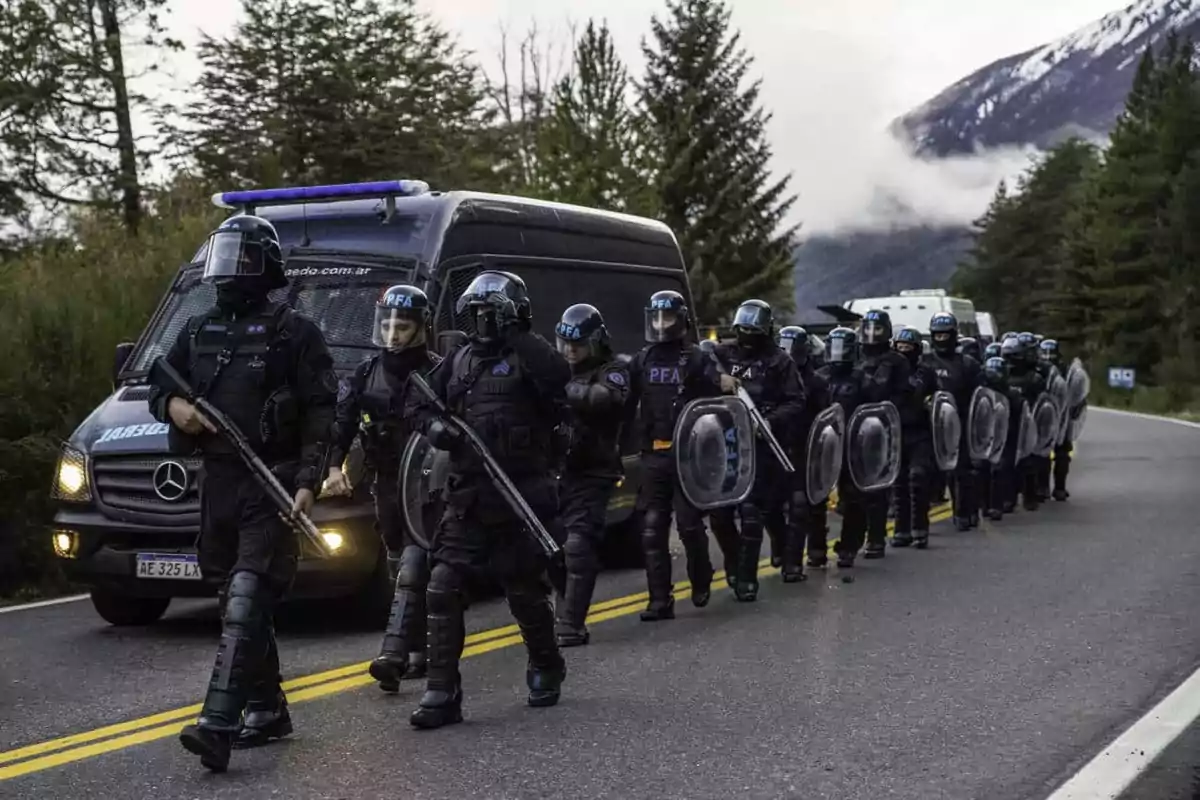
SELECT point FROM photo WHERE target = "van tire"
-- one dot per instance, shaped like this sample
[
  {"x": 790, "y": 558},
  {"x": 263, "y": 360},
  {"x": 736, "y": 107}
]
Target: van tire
[
  {"x": 126, "y": 611},
  {"x": 622, "y": 546},
  {"x": 372, "y": 603}
]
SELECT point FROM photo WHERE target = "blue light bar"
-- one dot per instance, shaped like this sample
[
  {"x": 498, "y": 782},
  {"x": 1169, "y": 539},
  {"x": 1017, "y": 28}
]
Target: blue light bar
[{"x": 312, "y": 194}]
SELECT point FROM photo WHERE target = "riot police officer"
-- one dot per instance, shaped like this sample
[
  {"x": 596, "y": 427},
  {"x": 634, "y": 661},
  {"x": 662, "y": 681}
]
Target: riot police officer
[
  {"x": 664, "y": 375},
  {"x": 969, "y": 346},
  {"x": 994, "y": 477},
  {"x": 992, "y": 351},
  {"x": 1025, "y": 377},
  {"x": 1050, "y": 354},
  {"x": 370, "y": 405},
  {"x": 269, "y": 370},
  {"x": 596, "y": 394},
  {"x": 886, "y": 374},
  {"x": 912, "y": 487},
  {"x": 958, "y": 374},
  {"x": 806, "y": 522},
  {"x": 848, "y": 387},
  {"x": 508, "y": 385},
  {"x": 772, "y": 381}
]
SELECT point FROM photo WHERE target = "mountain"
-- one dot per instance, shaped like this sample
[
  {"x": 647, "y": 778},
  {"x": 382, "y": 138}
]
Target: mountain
[{"x": 1073, "y": 86}]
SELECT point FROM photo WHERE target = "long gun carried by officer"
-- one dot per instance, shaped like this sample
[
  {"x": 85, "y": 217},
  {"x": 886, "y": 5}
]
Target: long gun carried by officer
[
  {"x": 508, "y": 490},
  {"x": 166, "y": 376},
  {"x": 760, "y": 422}
]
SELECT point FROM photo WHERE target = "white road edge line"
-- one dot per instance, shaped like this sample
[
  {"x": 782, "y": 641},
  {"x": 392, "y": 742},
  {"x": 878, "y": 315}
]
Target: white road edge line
[
  {"x": 1110, "y": 773},
  {"x": 1154, "y": 417},
  {"x": 43, "y": 603}
]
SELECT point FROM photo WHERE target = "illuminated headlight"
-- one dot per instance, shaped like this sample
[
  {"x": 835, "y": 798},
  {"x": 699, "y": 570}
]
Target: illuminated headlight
[
  {"x": 71, "y": 477},
  {"x": 66, "y": 544},
  {"x": 334, "y": 540}
]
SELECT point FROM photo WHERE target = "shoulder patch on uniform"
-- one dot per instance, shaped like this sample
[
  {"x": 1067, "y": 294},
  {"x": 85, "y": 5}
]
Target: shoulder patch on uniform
[
  {"x": 343, "y": 390},
  {"x": 616, "y": 378},
  {"x": 501, "y": 368},
  {"x": 329, "y": 381}
]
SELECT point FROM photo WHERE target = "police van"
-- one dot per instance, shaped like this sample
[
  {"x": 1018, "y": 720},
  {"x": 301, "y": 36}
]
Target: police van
[
  {"x": 127, "y": 512},
  {"x": 913, "y": 308}
]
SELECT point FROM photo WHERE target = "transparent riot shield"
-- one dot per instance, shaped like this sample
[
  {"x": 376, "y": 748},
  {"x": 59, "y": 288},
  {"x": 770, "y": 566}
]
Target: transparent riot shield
[
  {"x": 1046, "y": 419},
  {"x": 873, "y": 446},
  {"x": 1000, "y": 422},
  {"x": 825, "y": 446},
  {"x": 1078, "y": 383},
  {"x": 423, "y": 473},
  {"x": 981, "y": 423},
  {"x": 714, "y": 452},
  {"x": 1026, "y": 433},
  {"x": 946, "y": 429}
]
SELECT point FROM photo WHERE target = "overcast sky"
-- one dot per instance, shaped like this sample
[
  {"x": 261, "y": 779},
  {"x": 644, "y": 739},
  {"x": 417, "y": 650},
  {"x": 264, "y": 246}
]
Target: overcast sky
[{"x": 835, "y": 72}]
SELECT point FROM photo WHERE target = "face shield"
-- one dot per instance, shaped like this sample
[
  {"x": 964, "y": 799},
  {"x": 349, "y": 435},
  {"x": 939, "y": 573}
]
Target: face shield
[
  {"x": 232, "y": 255},
  {"x": 873, "y": 332},
  {"x": 576, "y": 351},
  {"x": 838, "y": 351},
  {"x": 752, "y": 320},
  {"x": 397, "y": 329},
  {"x": 663, "y": 325}
]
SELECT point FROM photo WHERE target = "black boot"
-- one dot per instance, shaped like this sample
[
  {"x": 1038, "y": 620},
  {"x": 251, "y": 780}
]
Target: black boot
[
  {"x": 530, "y": 605},
  {"x": 406, "y": 620},
  {"x": 545, "y": 685},
  {"x": 995, "y": 514},
  {"x": 570, "y": 628},
  {"x": 700, "y": 570},
  {"x": 874, "y": 550},
  {"x": 438, "y": 707},
  {"x": 793, "y": 556},
  {"x": 658, "y": 575},
  {"x": 442, "y": 702},
  {"x": 900, "y": 539},
  {"x": 745, "y": 589},
  {"x": 264, "y": 721},
  {"x": 921, "y": 539},
  {"x": 212, "y": 746}
]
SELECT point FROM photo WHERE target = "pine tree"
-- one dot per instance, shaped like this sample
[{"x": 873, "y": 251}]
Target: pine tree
[
  {"x": 67, "y": 98},
  {"x": 709, "y": 138},
  {"x": 592, "y": 144},
  {"x": 328, "y": 91}
]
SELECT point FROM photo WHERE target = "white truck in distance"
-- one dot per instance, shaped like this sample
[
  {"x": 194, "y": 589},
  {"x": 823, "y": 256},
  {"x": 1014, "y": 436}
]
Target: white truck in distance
[{"x": 913, "y": 308}]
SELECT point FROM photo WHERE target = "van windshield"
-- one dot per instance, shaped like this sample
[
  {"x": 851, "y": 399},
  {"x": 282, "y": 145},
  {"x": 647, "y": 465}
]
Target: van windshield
[{"x": 340, "y": 299}]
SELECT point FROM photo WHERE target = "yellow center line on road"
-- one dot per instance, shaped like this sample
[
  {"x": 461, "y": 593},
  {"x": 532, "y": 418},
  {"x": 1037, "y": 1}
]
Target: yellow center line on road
[{"x": 110, "y": 738}]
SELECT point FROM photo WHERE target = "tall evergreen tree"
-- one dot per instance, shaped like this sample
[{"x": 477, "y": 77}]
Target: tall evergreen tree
[
  {"x": 593, "y": 143},
  {"x": 67, "y": 98},
  {"x": 315, "y": 91},
  {"x": 714, "y": 185}
]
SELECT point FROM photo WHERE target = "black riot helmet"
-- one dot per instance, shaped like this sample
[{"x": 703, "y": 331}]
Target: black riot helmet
[
  {"x": 581, "y": 334},
  {"x": 992, "y": 351},
  {"x": 908, "y": 343},
  {"x": 1009, "y": 335},
  {"x": 244, "y": 250},
  {"x": 841, "y": 347},
  {"x": 1010, "y": 350},
  {"x": 666, "y": 317},
  {"x": 1048, "y": 351},
  {"x": 943, "y": 331},
  {"x": 794, "y": 341},
  {"x": 995, "y": 370},
  {"x": 876, "y": 329},
  {"x": 754, "y": 323},
  {"x": 496, "y": 301},
  {"x": 1028, "y": 347},
  {"x": 401, "y": 317},
  {"x": 969, "y": 346}
]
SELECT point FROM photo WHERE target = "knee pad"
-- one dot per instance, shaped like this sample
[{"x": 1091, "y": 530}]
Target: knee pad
[
  {"x": 414, "y": 567},
  {"x": 654, "y": 521},
  {"x": 244, "y": 600},
  {"x": 445, "y": 590},
  {"x": 578, "y": 548}
]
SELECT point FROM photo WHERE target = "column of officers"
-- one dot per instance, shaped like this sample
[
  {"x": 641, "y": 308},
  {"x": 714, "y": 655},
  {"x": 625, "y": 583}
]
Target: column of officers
[{"x": 553, "y": 417}]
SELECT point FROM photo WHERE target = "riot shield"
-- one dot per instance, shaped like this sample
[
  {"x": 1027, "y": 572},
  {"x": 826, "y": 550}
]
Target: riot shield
[
  {"x": 1046, "y": 419},
  {"x": 1026, "y": 433},
  {"x": 423, "y": 473},
  {"x": 826, "y": 443},
  {"x": 714, "y": 452},
  {"x": 946, "y": 429},
  {"x": 981, "y": 423},
  {"x": 873, "y": 446},
  {"x": 1078, "y": 383},
  {"x": 1059, "y": 392},
  {"x": 1077, "y": 422},
  {"x": 1000, "y": 420}
]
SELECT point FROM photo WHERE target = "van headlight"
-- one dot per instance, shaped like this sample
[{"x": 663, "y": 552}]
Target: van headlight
[{"x": 71, "y": 477}]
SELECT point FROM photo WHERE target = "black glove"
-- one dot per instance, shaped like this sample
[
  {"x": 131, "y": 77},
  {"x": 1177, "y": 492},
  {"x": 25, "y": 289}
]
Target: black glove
[{"x": 443, "y": 436}]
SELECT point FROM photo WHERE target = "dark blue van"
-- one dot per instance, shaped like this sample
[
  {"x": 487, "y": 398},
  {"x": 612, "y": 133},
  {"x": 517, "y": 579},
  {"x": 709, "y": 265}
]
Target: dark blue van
[{"x": 128, "y": 512}]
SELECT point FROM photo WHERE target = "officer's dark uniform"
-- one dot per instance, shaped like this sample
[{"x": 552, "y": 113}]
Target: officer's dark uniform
[
  {"x": 806, "y": 522},
  {"x": 969, "y": 346},
  {"x": 508, "y": 386},
  {"x": 847, "y": 387},
  {"x": 993, "y": 477},
  {"x": 1009, "y": 476},
  {"x": 664, "y": 376},
  {"x": 1025, "y": 376},
  {"x": 1050, "y": 354},
  {"x": 770, "y": 378},
  {"x": 960, "y": 375},
  {"x": 596, "y": 395},
  {"x": 370, "y": 405},
  {"x": 916, "y": 450},
  {"x": 269, "y": 370},
  {"x": 887, "y": 381}
]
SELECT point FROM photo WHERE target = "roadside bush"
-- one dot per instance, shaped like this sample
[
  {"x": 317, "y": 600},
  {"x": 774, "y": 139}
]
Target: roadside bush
[{"x": 64, "y": 306}]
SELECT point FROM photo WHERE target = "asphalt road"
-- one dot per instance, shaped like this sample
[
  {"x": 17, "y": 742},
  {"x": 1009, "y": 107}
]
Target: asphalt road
[{"x": 990, "y": 666}]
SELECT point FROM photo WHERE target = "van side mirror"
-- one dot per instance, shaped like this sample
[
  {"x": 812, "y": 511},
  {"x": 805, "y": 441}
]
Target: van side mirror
[
  {"x": 124, "y": 350},
  {"x": 449, "y": 341}
]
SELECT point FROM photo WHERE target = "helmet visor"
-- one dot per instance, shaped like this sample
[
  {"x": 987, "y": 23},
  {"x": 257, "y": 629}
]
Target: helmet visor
[
  {"x": 838, "y": 351},
  {"x": 874, "y": 332},
  {"x": 397, "y": 328},
  {"x": 232, "y": 255},
  {"x": 663, "y": 324},
  {"x": 752, "y": 319}
]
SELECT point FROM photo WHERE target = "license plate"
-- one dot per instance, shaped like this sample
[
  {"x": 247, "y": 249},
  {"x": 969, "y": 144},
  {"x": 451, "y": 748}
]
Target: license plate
[{"x": 168, "y": 566}]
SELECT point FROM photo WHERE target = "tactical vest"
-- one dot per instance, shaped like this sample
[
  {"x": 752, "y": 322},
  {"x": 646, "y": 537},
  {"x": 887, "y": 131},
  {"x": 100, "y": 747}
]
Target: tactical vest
[
  {"x": 844, "y": 388},
  {"x": 244, "y": 368},
  {"x": 664, "y": 375},
  {"x": 494, "y": 396},
  {"x": 381, "y": 422},
  {"x": 595, "y": 436}
]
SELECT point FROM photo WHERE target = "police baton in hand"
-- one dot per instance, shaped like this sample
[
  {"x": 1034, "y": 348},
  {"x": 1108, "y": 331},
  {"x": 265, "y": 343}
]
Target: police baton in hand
[
  {"x": 760, "y": 422},
  {"x": 163, "y": 375},
  {"x": 508, "y": 490}
]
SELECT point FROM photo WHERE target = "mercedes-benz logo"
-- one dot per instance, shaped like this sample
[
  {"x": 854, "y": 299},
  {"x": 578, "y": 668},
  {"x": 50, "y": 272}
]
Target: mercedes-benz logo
[{"x": 170, "y": 481}]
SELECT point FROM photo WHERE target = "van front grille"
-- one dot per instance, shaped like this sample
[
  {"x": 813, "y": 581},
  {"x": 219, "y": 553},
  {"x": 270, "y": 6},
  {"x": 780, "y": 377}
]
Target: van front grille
[{"x": 128, "y": 483}]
